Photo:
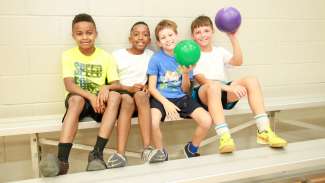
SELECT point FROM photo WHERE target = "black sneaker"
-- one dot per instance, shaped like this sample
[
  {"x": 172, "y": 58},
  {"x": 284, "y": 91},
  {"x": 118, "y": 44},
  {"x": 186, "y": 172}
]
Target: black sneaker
[
  {"x": 188, "y": 153},
  {"x": 95, "y": 161},
  {"x": 51, "y": 166}
]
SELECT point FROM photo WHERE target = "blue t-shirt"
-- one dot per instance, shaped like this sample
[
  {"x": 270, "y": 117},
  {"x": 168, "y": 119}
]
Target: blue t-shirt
[{"x": 169, "y": 76}]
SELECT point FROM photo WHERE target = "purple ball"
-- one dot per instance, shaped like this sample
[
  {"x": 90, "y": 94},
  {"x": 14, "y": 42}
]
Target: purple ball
[{"x": 228, "y": 19}]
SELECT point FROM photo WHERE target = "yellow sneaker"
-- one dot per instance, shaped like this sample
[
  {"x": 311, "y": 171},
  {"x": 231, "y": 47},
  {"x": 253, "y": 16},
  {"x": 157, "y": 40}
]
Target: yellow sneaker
[
  {"x": 270, "y": 138},
  {"x": 226, "y": 144}
]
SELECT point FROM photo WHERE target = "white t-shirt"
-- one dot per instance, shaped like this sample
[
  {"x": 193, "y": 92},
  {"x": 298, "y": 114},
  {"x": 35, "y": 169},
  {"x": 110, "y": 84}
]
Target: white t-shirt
[
  {"x": 212, "y": 64},
  {"x": 132, "y": 68}
]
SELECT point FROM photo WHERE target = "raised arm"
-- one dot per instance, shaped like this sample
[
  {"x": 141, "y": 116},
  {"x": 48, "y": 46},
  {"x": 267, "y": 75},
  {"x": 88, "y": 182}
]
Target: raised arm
[{"x": 237, "y": 58}]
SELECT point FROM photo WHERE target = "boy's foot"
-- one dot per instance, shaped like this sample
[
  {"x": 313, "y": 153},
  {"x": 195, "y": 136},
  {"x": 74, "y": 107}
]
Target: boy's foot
[
  {"x": 146, "y": 153},
  {"x": 188, "y": 153},
  {"x": 226, "y": 144},
  {"x": 270, "y": 138},
  {"x": 95, "y": 161},
  {"x": 52, "y": 166},
  {"x": 116, "y": 161},
  {"x": 157, "y": 156}
]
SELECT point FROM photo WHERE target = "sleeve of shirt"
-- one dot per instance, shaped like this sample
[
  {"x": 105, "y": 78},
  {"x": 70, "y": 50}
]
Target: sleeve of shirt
[
  {"x": 153, "y": 66},
  {"x": 112, "y": 74},
  {"x": 197, "y": 69},
  {"x": 67, "y": 66}
]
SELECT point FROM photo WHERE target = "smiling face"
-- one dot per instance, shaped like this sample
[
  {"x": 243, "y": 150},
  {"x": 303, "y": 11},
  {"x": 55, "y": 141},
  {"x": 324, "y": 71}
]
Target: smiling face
[
  {"x": 139, "y": 38},
  {"x": 167, "y": 39},
  {"x": 84, "y": 33},
  {"x": 203, "y": 36}
]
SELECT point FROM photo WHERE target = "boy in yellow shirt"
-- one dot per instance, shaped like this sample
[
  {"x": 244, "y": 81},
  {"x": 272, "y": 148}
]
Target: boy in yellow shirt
[{"x": 85, "y": 69}]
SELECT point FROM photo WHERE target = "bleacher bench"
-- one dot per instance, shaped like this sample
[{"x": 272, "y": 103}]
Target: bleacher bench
[
  {"x": 246, "y": 166},
  {"x": 52, "y": 123}
]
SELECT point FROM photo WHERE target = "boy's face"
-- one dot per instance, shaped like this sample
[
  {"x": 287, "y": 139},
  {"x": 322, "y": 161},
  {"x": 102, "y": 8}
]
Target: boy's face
[
  {"x": 203, "y": 35},
  {"x": 167, "y": 39},
  {"x": 84, "y": 33},
  {"x": 140, "y": 37}
]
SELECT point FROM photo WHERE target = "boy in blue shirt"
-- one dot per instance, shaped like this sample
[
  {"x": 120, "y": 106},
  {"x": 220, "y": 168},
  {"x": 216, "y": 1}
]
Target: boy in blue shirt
[{"x": 168, "y": 85}]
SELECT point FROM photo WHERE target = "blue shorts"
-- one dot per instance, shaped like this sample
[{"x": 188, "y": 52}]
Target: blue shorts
[
  {"x": 185, "y": 104},
  {"x": 86, "y": 111},
  {"x": 226, "y": 105}
]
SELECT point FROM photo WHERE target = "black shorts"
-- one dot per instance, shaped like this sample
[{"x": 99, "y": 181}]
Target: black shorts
[
  {"x": 86, "y": 111},
  {"x": 226, "y": 105},
  {"x": 185, "y": 104}
]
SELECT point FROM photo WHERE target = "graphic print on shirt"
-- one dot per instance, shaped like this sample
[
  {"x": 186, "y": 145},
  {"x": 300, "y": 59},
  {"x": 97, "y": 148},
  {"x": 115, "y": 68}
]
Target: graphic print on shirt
[
  {"x": 85, "y": 72},
  {"x": 171, "y": 80}
]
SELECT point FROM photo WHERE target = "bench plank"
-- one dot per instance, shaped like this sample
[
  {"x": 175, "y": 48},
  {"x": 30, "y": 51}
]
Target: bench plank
[{"x": 251, "y": 163}]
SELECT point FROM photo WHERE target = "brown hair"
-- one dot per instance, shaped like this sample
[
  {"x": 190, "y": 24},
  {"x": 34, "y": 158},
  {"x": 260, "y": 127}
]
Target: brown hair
[
  {"x": 165, "y": 24},
  {"x": 201, "y": 21}
]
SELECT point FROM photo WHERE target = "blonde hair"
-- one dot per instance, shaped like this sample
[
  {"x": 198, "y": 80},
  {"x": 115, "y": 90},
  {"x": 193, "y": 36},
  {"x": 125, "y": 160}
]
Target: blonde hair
[{"x": 165, "y": 24}]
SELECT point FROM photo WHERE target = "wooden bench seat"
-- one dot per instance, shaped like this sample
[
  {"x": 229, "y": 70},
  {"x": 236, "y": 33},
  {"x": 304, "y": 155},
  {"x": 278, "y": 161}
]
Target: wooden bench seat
[{"x": 252, "y": 165}]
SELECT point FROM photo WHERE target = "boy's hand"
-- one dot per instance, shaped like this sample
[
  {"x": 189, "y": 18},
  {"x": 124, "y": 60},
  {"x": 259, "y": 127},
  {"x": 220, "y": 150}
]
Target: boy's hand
[
  {"x": 185, "y": 70},
  {"x": 102, "y": 98},
  {"x": 135, "y": 88},
  {"x": 232, "y": 35},
  {"x": 146, "y": 90},
  {"x": 238, "y": 90},
  {"x": 94, "y": 104},
  {"x": 171, "y": 110}
]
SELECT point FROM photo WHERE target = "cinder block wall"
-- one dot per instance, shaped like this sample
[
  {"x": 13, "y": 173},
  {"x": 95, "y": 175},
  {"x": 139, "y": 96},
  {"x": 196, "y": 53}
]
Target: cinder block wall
[{"x": 283, "y": 43}]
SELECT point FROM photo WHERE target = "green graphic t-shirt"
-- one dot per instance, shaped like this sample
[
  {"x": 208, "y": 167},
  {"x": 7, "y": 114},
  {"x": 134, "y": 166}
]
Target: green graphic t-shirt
[{"x": 89, "y": 72}]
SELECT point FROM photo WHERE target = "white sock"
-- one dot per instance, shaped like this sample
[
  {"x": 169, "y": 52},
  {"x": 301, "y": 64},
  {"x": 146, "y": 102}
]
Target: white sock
[
  {"x": 262, "y": 122},
  {"x": 221, "y": 129}
]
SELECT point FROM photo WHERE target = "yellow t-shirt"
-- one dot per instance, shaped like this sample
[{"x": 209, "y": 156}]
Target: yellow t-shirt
[{"x": 89, "y": 72}]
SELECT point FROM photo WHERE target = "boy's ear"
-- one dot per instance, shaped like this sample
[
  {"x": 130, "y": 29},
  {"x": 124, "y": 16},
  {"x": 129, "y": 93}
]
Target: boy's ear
[{"x": 158, "y": 44}]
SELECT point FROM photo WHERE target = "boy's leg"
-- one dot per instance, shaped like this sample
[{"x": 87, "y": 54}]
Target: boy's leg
[
  {"x": 210, "y": 95},
  {"x": 123, "y": 128},
  {"x": 95, "y": 158},
  {"x": 52, "y": 166},
  {"x": 144, "y": 117},
  {"x": 256, "y": 101},
  {"x": 156, "y": 132},
  {"x": 204, "y": 121},
  {"x": 158, "y": 114},
  {"x": 124, "y": 122}
]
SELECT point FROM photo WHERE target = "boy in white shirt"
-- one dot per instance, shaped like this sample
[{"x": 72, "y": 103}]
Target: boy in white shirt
[
  {"x": 216, "y": 93},
  {"x": 132, "y": 66}
]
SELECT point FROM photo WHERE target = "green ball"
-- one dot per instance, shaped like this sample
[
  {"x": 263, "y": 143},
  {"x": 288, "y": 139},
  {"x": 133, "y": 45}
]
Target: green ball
[{"x": 187, "y": 52}]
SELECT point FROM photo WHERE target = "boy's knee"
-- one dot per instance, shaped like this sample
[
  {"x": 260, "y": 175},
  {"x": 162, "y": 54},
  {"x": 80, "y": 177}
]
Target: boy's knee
[
  {"x": 214, "y": 87},
  {"x": 251, "y": 80},
  {"x": 114, "y": 97},
  {"x": 141, "y": 96},
  {"x": 76, "y": 101},
  {"x": 127, "y": 100}
]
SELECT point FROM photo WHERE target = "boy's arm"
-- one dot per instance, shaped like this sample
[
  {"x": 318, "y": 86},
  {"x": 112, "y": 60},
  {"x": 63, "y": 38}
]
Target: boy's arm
[
  {"x": 153, "y": 90},
  {"x": 170, "y": 108},
  {"x": 186, "y": 82},
  {"x": 237, "y": 58},
  {"x": 71, "y": 87}
]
